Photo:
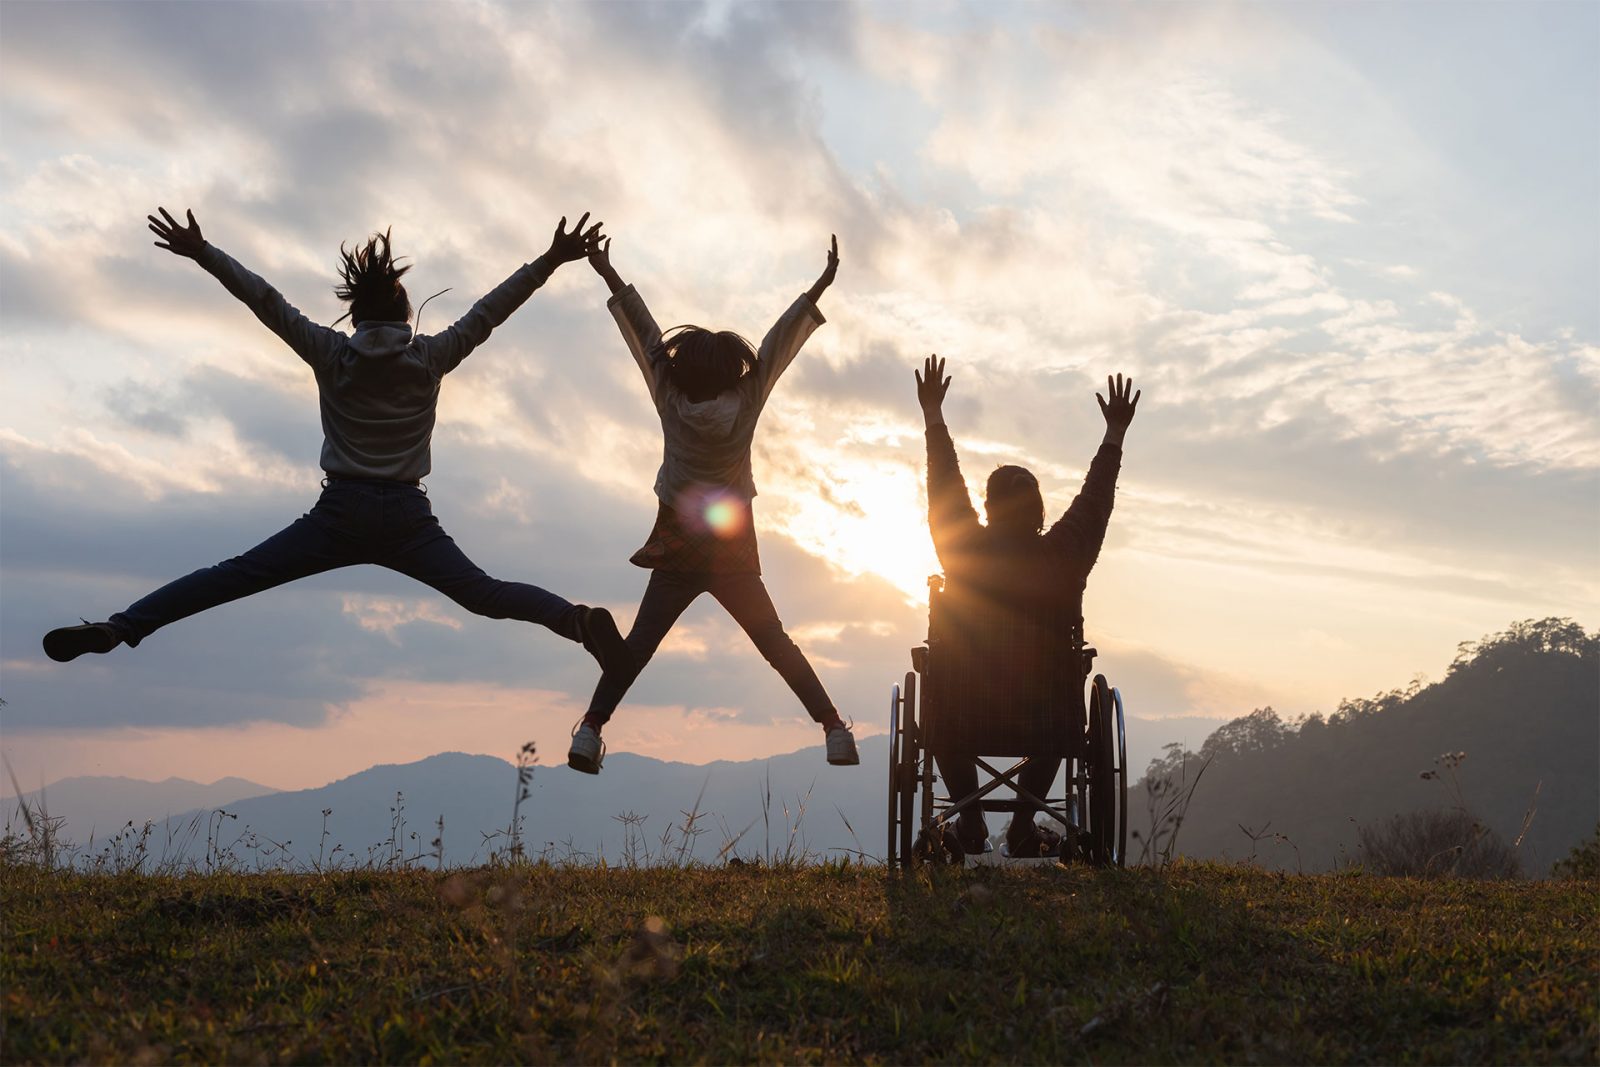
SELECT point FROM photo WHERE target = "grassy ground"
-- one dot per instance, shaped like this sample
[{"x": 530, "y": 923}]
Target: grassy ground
[{"x": 806, "y": 964}]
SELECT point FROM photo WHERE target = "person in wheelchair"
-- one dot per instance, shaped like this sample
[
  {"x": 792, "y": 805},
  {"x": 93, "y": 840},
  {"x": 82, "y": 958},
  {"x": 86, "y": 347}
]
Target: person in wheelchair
[{"x": 1017, "y": 591}]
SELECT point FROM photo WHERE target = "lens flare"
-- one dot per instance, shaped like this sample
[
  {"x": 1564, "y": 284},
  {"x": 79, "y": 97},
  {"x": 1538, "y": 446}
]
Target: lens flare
[
  {"x": 715, "y": 509},
  {"x": 724, "y": 517}
]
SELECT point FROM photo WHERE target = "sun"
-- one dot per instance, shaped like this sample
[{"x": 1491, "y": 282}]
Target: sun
[{"x": 872, "y": 519}]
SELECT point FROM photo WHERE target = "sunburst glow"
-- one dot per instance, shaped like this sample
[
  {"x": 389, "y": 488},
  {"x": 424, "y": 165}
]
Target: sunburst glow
[{"x": 872, "y": 519}]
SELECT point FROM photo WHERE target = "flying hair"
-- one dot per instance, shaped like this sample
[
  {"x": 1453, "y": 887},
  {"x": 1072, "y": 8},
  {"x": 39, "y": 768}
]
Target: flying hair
[
  {"x": 704, "y": 363},
  {"x": 370, "y": 282}
]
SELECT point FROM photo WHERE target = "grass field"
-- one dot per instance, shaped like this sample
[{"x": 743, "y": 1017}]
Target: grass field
[{"x": 1196, "y": 963}]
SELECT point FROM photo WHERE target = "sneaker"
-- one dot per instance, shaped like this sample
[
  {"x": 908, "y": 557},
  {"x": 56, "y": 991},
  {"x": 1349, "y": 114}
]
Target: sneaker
[
  {"x": 1034, "y": 842},
  {"x": 842, "y": 747},
  {"x": 69, "y": 642},
  {"x": 973, "y": 833},
  {"x": 588, "y": 752},
  {"x": 601, "y": 638}
]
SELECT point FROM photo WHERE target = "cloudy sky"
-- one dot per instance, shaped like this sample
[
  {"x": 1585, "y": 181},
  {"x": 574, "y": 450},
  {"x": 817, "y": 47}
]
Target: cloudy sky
[{"x": 1349, "y": 252}]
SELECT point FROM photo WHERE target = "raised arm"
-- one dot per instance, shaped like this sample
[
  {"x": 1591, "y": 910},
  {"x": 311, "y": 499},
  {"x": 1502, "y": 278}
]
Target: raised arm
[
  {"x": 310, "y": 341},
  {"x": 600, "y": 260},
  {"x": 952, "y": 519},
  {"x": 446, "y": 350},
  {"x": 1080, "y": 532},
  {"x": 825, "y": 279},
  {"x": 639, "y": 330},
  {"x": 784, "y": 341}
]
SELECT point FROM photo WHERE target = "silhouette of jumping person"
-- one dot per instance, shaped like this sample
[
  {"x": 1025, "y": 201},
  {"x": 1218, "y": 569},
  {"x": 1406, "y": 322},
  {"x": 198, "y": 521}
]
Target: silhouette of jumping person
[
  {"x": 708, "y": 388},
  {"x": 1014, "y": 565},
  {"x": 378, "y": 390}
]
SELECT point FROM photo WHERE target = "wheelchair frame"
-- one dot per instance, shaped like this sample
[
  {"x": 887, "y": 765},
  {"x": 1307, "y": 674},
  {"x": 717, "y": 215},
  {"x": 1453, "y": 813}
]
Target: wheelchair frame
[{"x": 1093, "y": 810}]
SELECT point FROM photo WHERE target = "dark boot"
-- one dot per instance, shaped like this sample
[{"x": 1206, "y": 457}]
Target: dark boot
[
  {"x": 600, "y": 636},
  {"x": 69, "y": 642}
]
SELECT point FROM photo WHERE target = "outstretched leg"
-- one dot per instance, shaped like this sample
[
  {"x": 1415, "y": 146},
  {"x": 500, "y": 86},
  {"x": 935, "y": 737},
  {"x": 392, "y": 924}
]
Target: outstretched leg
[
  {"x": 310, "y": 545},
  {"x": 433, "y": 558},
  {"x": 666, "y": 598},
  {"x": 746, "y": 598}
]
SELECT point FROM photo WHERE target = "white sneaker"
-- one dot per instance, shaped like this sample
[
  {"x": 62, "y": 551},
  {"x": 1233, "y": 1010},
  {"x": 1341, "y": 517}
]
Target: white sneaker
[
  {"x": 842, "y": 747},
  {"x": 588, "y": 752}
]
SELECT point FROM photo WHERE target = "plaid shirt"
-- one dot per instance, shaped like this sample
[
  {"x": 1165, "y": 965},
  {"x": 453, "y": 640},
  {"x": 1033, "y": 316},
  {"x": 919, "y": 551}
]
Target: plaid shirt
[{"x": 680, "y": 542}]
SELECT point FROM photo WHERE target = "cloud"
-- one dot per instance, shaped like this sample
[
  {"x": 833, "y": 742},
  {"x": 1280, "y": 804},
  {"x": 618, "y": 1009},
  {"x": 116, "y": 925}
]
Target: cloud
[{"x": 1333, "y": 428}]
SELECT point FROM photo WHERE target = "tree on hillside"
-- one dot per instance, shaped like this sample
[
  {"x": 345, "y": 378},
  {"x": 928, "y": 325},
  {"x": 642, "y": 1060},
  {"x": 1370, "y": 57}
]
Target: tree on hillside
[
  {"x": 1531, "y": 637},
  {"x": 1521, "y": 702},
  {"x": 1260, "y": 731}
]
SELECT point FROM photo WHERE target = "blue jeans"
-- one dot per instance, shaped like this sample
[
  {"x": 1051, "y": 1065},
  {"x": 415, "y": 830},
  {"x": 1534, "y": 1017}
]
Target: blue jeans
[
  {"x": 745, "y": 597},
  {"x": 354, "y": 521}
]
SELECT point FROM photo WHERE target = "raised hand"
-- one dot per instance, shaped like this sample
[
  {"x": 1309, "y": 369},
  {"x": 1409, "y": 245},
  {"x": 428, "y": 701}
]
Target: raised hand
[
  {"x": 178, "y": 239},
  {"x": 932, "y": 384},
  {"x": 600, "y": 260},
  {"x": 600, "y": 257},
  {"x": 828, "y": 272},
  {"x": 577, "y": 243},
  {"x": 1119, "y": 412}
]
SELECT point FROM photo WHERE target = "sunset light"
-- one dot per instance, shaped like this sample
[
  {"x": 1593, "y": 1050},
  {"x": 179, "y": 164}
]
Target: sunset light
[
  {"x": 800, "y": 531},
  {"x": 872, "y": 520},
  {"x": 1357, "y": 292}
]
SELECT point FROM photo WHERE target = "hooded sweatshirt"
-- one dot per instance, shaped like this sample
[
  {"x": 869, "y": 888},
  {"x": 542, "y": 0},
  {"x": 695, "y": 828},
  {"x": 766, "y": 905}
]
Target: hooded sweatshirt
[
  {"x": 706, "y": 445},
  {"x": 379, "y": 389}
]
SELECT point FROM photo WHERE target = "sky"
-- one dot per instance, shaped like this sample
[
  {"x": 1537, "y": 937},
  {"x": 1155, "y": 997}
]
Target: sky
[{"x": 1350, "y": 253}]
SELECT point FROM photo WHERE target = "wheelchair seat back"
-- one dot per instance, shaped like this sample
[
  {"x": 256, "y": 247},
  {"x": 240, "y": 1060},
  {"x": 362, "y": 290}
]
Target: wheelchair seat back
[{"x": 1002, "y": 679}]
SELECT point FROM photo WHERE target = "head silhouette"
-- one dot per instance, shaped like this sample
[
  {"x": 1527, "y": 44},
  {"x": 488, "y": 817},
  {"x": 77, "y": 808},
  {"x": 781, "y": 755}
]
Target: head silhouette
[
  {"x": 1012, "y": 501},
  {"x": 704, "y": 363},
  {"x": 371, "y": 282}
]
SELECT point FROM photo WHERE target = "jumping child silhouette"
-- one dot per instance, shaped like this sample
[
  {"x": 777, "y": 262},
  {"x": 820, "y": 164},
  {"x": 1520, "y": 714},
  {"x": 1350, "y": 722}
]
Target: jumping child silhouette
[
  {"x": 378, "y": 392},
  {"x": 709, "y": 388}
]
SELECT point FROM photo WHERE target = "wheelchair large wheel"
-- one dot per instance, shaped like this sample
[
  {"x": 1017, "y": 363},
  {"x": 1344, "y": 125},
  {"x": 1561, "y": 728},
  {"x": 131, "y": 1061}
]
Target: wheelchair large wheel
[
  {"x": 1103, "y": 820},
  {"x": 910, "y": 760},
  {"x": 902, "y": 770},
  {"x": 1122, "y": 780},
  {"x": 891, "y": 857}
]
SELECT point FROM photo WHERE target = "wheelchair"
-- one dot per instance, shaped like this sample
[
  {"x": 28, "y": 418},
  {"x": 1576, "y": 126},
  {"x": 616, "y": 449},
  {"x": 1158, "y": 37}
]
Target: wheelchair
[{"x": 963, "y": 696}]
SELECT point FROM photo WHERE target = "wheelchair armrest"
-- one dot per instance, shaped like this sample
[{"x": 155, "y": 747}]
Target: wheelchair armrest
[
  {"x": 1088, "y": 660},
  {"x": 919, "y": 659}
]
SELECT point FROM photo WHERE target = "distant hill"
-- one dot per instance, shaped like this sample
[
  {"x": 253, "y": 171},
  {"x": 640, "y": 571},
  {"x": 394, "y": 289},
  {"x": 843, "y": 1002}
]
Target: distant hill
[
  {"x": 475, "y": 793},
  {"x": 97, "y": 806},
  {"x": 1523, "y": 705},
  {"x": 388, "y": 809}
]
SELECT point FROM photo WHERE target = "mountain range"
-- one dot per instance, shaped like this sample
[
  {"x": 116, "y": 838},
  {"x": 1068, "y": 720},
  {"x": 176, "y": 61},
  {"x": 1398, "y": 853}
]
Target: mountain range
[
  {"x": 1519, "y": 710},
  {"x": 475, "y": 795}
]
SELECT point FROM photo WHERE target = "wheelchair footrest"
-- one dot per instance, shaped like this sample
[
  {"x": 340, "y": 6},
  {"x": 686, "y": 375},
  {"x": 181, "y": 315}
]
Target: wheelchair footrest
[{"x": 1011, "y": 805}]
